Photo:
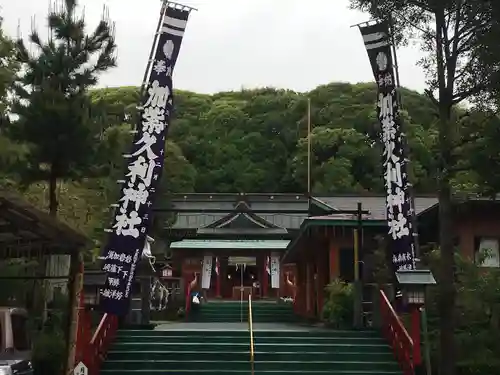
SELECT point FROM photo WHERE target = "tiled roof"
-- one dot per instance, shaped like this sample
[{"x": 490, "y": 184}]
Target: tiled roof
[
  {"x": 375, "y": 205},
  {"x": 230, "y": 244},
  {"x": 340, "y": 217},
  {"x": 227, "y": 202}
]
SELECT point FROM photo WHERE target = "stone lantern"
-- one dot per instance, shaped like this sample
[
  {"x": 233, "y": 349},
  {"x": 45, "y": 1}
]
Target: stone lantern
[
  {"x": 92, "y": 281},
  {"x": 414, "y": 284}
]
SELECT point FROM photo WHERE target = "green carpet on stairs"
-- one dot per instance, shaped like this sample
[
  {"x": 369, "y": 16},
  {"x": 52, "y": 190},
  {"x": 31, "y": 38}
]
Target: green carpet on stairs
[
  {"x": 278, "y": 352},
  {"x": 234, "y": 311}
]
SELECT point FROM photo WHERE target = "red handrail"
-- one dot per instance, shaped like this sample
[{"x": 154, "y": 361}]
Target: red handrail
[
  {"x": 99, "y": 345},
  {"x": 397, "y": 335},
  {"x": 190, "y": 287},
  {"x": 292, "y": 285}
]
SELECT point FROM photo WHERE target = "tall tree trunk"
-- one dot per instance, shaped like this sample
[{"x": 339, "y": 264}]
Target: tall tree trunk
[
  {"x": 53, "y": 202},
  {"x": 447, "y": 267},
  {"x": 447, "y": 278}
]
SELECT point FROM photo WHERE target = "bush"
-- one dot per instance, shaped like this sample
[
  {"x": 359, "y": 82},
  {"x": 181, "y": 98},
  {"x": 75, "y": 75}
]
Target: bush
[
  {"x": 49, "y": 344},
  {"x": 477, "y": 316},
  {"x": 49, "y": 353},
  {"x": 338, "y": 309}
]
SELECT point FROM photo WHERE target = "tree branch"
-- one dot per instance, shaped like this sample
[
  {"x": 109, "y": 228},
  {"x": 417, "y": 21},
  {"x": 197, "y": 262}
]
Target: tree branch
[
  {"x": 459, "y": 97},
  {"x": 431, "y": 96},
  {"x": 453, "y": 49},
  {"x": 426, "y": 33}
]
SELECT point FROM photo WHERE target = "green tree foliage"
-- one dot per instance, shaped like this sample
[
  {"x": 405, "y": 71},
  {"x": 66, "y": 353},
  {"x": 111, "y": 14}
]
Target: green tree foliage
[
  {"x": 344, "y": 159},
  {"x": 10, "y": 153},
  {"x": 478, "y": 316},
  {"x": 8, "y": 68},
  {"x": 53, "y": 105},
  {"x": 256, "y": 140}
]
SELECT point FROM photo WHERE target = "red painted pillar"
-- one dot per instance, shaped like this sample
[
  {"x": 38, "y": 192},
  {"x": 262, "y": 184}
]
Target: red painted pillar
[
  {"x": 415, "y": 335},
  {"x": 266, "y": 275},
  {"x": 333, "y": 261},
  {"x": 219, "y": 281},
  {"x": 299, "y": 282},
  {"x": 298, "y": 290},
  {"x": 308, "y": 288},
  {"x": 217, "y": 286},
  {"x": 321, "y": 282},
  {"x": 304, "y": 289}
]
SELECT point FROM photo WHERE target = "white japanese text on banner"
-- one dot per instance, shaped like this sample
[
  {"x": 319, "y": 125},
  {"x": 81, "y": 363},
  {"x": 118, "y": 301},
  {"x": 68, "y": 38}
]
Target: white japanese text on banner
[
  {"x": 144, "y": 169},
  {"x": 399, "y": 203}
]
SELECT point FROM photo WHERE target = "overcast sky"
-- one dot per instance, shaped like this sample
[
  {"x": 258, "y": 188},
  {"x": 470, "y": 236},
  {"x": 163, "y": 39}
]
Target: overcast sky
[{"x": 231, "y": 44}]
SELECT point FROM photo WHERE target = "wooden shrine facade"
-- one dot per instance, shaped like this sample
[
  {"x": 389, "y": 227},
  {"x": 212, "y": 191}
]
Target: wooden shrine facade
[{"x": 243, "y": 234}]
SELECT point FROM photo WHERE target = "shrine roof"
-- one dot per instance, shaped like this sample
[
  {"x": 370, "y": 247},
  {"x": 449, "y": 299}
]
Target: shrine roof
[
  {"x": 286, "y": 211},
  {"x": 374, "y": 204},
  {"x": 26, "y": 230},
  {"x": 231, "y": 244},
  {"x": 343, "y": 220},
  {"x": 219, "y": 210}
]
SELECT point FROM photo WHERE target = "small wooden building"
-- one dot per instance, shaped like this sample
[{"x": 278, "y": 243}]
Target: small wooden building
[{"x": 32, "y": 235}]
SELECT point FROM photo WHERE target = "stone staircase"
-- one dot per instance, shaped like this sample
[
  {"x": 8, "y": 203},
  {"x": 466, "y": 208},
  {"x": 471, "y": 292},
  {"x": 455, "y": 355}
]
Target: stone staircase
[
  {"x": 234, "y": 311},
  {"x": 212, "y": 350}
]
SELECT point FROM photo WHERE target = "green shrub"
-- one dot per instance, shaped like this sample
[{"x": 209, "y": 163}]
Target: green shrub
[
  {"x": 339, "y": 304},
  {"x": 476, "y": 316},
  {"x": 49, "y": 353},
  {"x": 49, "y": 344}
]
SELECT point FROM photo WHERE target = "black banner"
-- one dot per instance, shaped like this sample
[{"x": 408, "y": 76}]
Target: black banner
[
  {"x": 143, "y": 173},
  {"x": 399, "y": 203}
]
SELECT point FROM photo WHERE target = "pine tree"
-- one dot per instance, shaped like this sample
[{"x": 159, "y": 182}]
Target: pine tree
[{"x": 52, "y": 105}]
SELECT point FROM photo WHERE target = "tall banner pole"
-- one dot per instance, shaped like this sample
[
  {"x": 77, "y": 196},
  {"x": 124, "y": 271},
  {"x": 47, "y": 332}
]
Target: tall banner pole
[
  {"x": 144, "y": 165},
  {"x": 309, "y": 140},
  {"x": 411, "y": 191},
  {"x": 377, "y": 41},
  {"x": 153, "y": 48}
]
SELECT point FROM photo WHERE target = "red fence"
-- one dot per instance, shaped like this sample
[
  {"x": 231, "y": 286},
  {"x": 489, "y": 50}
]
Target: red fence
[
  {"x": 93, "y": 352},
  {"x": 396, "y": 334},
  {"x": 96, "y": 350}
]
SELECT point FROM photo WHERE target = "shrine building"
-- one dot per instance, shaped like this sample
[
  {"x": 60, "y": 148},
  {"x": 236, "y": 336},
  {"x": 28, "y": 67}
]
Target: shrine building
[{"x": 235, "y": 244}]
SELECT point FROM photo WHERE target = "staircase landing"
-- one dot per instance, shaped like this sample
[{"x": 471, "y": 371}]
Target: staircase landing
[
  {"x": 234, "y": 326},
  {"x": 263, "y": 311}
]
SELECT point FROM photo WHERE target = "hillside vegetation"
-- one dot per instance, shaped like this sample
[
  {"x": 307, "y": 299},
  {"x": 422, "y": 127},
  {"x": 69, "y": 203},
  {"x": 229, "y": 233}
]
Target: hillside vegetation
[{"x": 256, "y": 141}]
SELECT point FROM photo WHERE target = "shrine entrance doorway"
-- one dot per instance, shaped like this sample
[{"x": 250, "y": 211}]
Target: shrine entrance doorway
[{"x": 242, "y": 275}]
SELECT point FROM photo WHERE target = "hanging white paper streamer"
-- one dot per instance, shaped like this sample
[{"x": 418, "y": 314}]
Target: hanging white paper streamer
[
  {"x": 146, "y": 251},
  {"x": 147, "y": 254},
  {"x": 275, "y": 271},
  {"x": 206, "y": 273}
]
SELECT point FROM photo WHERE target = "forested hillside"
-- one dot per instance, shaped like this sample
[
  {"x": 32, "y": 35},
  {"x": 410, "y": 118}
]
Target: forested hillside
[{"x": 256, "y": 141}]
